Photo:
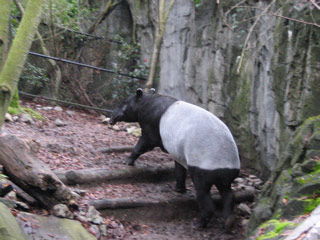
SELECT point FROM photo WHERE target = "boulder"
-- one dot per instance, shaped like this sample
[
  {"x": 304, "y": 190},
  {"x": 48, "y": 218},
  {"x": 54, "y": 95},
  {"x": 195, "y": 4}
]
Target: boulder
[
  {"x": 41, "y": 227},
  {"x": 9, "y": 228},
  {"x": 26, "y": 118},
  {"x": 294, "y": 187}
]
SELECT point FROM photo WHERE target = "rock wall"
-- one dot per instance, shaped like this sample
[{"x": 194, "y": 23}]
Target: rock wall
[
  {"x": 276, "y": 88},
  {"x": 274, "y": 91}
]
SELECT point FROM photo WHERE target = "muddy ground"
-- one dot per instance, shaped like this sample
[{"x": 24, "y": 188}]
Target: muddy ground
[{"x": 74, "y": 145}]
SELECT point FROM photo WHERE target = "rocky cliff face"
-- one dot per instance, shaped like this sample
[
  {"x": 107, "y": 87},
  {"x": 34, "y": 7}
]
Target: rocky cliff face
[{"x": 277, "y": 86}]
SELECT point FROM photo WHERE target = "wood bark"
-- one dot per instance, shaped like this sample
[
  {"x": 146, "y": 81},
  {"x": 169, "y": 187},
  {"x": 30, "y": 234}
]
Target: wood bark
[
  {"x": 4, "y": 30},
  {"x": 56, "y": 79},
  {"x": 245, "y": 196},
  {"x": 163, "y": 17},
  {"x": 14, "y": 63},
  {"x": 32, "y": 175},
  {"x": 91, "y": 176}
]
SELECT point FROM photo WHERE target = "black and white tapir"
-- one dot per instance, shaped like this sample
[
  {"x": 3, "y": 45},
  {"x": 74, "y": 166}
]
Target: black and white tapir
[{"x": 198, "y": 140}]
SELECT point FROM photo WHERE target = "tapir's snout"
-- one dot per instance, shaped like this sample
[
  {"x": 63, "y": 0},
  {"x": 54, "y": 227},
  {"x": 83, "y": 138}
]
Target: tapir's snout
[
  {"x": 113, "y": 119},
  {"x": 115, "y": 116}
]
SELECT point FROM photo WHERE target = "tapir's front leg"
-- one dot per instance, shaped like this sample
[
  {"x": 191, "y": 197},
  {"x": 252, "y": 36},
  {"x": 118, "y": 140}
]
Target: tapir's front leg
[{"x": 142, "y": 146}]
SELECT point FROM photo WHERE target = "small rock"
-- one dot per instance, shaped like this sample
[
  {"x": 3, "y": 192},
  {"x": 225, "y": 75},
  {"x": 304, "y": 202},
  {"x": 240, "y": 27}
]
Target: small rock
[
  {"x": 81, "y": 192},
  {"x": 116, "y": 128},
  {"x": 245, "y": 222},
  {"x": 103, "y": 230},
  {"x": 250, "y": 189},
  {"x": 59, "y": 123},
  {"x": 239, "y": 180},
  {"x": 94, "y": 216},
  {"x": 26, "y": 118},
  {"x": 244, "y": 209},
  {"x": 134, "y": 131},
  {"x": 15, "y": 118},
  {"x": 70, "y": 113},
  {"x": 105, "y": 120},
  {"x": 8, "y": 117},
  {"x": 82, "y": 218},
  {"x": 22, "y": 206},
  {"x": 12, "y": 195},
  {"x": 47, "y": 108},
  {"x": 95, "y": 231},
  {"x": 257, "y": 182},
  {"x": 58, "y": 109},
  {"x": 61, "y": 210}
]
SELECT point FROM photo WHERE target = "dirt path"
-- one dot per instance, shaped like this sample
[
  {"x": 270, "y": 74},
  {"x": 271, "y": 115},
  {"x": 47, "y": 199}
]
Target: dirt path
[{"x": 73, "y": 146}]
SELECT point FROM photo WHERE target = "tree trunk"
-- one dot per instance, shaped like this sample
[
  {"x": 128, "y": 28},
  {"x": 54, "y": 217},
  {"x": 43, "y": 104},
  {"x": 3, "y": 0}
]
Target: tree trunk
[
  {"x": 4, "y": 30},
  {"x": 92, "y": 176},
  {"x": 14, "y": 63},
  {"x": 32, "y": 175},
  {"x": 56, "y": 78},
  {"x": 110, "y": 6},
  {"x": 119, "y": 203},
  {"x": 163, "y": 17}
]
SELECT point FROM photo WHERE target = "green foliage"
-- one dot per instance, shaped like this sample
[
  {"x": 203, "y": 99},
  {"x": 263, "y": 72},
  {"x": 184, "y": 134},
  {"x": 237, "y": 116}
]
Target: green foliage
[
  {"x": 34, "y": 114},
  {"x": 128, "y": 58},
  {"x": 278, "y": 228},
  {"x": 34, "y": 76},
  {"x": 2, "y": 176},
  {"x": 66, "y": 13},
  {"x": 197, "y": 3},
  {"x": 311, "y": 204}
]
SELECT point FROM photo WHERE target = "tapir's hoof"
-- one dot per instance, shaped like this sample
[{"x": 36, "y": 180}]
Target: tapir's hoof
[
  {"x": 130, "y": 162},
  {"x": 180, "y": 189}
]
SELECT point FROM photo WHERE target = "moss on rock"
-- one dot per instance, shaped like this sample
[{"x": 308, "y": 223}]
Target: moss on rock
[{"x": 294, "y": 187}]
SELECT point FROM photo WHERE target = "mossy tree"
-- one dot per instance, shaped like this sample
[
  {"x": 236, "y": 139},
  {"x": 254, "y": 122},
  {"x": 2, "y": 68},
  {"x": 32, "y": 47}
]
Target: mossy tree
[
  {"x": 163, "y": 17},
  {"x": 4, "y": 30},
  {"x": 12, "y": 64}
]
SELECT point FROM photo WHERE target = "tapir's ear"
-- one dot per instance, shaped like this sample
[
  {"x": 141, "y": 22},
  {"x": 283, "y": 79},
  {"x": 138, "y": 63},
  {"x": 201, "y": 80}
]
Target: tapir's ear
[
  {"x": 152, "y": 90},
  {"x": 139, "y": 93}
]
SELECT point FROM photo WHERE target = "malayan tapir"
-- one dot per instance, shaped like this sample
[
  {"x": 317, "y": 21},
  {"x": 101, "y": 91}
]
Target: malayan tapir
[{"x": 199, "y": 141}]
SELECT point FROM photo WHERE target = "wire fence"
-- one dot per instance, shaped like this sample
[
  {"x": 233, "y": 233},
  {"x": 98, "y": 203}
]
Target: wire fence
[
  {"x": 86, "y": 65},
  {"x": 65, "y": 102},
  {"x": 81, "y": 65}
]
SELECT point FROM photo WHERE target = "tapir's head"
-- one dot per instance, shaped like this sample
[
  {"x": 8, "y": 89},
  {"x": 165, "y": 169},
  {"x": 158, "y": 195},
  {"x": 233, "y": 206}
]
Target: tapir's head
[{"x": 128, "y": 110}]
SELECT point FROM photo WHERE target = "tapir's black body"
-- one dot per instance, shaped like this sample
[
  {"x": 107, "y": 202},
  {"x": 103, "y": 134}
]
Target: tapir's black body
[{"x": 148, "y": 110}]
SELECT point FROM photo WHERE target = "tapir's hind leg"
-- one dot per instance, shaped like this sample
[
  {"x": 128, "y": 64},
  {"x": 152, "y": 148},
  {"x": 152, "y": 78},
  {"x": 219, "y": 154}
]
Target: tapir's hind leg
[
  {"x": 224, "y": 179},
  {"x": 228, "y": 204},
  {"x": 180, "y": 173},
  {"x": 205, "y": 203}
]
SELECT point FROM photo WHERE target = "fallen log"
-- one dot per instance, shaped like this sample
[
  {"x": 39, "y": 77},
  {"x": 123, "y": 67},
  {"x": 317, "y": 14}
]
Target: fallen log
[
  {"x": 116, "y": 149},
  {"x": 23, "y": 195},
  {"x": 94, "y": 175},
  {"x": 33, "y": 176},
  {"x": 120, "y": 203}
]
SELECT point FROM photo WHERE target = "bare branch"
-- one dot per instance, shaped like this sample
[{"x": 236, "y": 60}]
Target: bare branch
[
  {"x": 284, "y": 17},
  {"x": 235, "y": 6},
  {"x": 295, "y": 20},
  {"x": 249, "y": 34},
  {"x": 110, "y": 6},
  {"x": 315, "y": 4}
]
